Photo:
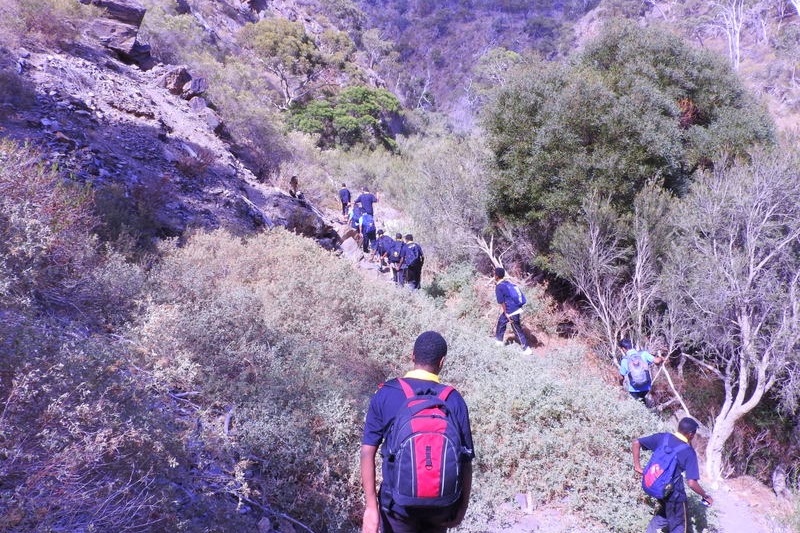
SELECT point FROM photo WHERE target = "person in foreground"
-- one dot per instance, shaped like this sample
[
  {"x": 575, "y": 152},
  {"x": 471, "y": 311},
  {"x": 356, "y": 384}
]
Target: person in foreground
[
  {"x": 671, "y": 515},
  {"x": 424, "y": 432}
]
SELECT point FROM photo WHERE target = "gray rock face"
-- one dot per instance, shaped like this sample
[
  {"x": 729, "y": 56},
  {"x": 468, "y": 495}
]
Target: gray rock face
[
  {"x": 300, "y": 217},
  {"x": 119, "y": 30},
  {"x": 125, "y": 11}
]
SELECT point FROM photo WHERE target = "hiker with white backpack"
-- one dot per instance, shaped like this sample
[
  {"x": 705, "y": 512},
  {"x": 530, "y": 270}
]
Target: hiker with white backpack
[{"x": 634, "y": 369}]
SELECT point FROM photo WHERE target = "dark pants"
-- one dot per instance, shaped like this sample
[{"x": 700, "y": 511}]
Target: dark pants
[
  {"x": 516, "y": 325},
  {"x": 368, "y": 241},
  {"x": 639, "y": 395},
  {"x": 417, "y": 520},
  {"x": 395, "y": 271},
  {"x": 345, "y": 206},
  {"x": 402, "y": 276},
  {"x": 670, "y": 518},
  {"x": 414, "y": 276}
]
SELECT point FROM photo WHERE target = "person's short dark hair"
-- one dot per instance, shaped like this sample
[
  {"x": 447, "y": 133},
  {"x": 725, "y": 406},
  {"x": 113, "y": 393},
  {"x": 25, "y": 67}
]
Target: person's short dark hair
[
  {"x": 398, "y": 235},
  {"x": 429, "y": 349},
  {"x": 409, "y": 237},
  {"x": 625, "y": 344},
  {"x": 343, "y": 185},
  {"x": 499, "y": 272},
  {"x": 688, "y": 426},
  {"x": 381, "y": 232}
]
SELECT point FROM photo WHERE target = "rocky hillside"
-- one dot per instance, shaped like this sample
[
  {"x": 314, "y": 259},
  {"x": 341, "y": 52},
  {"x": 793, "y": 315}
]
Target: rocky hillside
[{"x": 141, "y": 134}]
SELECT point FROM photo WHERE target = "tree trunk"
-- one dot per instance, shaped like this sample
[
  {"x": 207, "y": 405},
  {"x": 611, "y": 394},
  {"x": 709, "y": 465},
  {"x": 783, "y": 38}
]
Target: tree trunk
[{"x": 724, "y": 425}]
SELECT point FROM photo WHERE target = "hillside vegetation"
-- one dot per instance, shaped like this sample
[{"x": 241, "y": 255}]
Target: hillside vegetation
[{"x": 207, "y": 379}]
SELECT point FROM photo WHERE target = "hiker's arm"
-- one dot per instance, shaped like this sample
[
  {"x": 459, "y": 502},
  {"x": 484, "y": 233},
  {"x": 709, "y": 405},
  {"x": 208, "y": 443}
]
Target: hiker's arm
[
  {"x": 466, "y": 489},
  {"x": 371, "y": 511},
  {"x": 695, "y": 486},
  {"x": 636, "y": 449}
]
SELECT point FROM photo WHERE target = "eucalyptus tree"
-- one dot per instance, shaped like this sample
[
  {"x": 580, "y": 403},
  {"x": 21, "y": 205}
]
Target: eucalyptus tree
[
  {"x": 285, "y": 49},
  {"x": 732, "y": 282}
]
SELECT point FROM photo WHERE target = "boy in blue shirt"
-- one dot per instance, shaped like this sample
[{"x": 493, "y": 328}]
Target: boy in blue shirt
[
  {"x": 510, "y": 299},
  {"x": 428, "y": 355},
  {"x": 672, "y": 516}
]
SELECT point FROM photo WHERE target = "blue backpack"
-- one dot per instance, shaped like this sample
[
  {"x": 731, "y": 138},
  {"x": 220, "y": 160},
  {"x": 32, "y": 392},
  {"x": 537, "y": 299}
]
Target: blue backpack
[
  {"x": 367, "y": 223},
  {"x": 424, "y": 449},
  {"x": 661, "y": 473}
]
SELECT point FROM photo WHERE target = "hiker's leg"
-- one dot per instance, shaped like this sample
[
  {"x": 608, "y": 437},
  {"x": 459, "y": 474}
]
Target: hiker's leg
[
  {"x": 500, "y": 330},
  {"x": 658, "y": 523},
  {"x": 638, "y": 395},
  {"x": 516, "y": 325},
  {"x": 677, "y": 517}
]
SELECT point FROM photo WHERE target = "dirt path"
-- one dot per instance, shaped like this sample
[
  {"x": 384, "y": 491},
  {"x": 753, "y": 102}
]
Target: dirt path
[{"x": 743, "y": 505}]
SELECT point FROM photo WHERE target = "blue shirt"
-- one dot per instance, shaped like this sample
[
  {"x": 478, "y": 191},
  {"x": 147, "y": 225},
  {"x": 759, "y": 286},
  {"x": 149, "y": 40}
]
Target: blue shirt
[
  {"x": 344, "y": 195},
  {"x": 389, "y": 398},
  {"x": 384, "y": 244},
  {"x": 687, "y": 462},
  {"x": 366, "y": 199},
  {"x": 507, "y": 293},
  {"x": 647, "y": 357},
  {"x": 395, "y": 251},
  {"x": 411, "y": 253}
]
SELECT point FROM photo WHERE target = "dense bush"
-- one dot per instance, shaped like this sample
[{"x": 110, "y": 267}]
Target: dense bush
[
  {"x": 78, "y": 452},
  {"x": 292, "y": 343}
]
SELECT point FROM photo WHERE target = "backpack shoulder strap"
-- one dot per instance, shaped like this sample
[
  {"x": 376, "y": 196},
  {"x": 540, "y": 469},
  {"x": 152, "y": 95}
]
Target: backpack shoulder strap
[
  {"x": 445, "y": 392},
  {"x": 407, "y": 390}
]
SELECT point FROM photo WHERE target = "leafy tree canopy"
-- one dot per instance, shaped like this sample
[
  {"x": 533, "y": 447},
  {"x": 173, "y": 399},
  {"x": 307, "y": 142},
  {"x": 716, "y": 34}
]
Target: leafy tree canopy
[
  {"x": 634, "y": 105},
  {"x": 355, "y": 115}
]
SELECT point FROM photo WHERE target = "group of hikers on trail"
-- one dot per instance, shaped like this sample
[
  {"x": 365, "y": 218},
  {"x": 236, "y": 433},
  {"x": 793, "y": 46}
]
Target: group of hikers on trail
[
  {"x": 400, "y": 254},
  {"x": 422, "y": 428}
]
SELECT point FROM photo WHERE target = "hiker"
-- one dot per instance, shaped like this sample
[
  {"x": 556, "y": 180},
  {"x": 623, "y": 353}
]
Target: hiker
[
  {"x": 366, "y": 227},
  {"x": 413, "y": 258},
  {"x": 294, "y": 187},
  {"x": 432, "y": 494},
  {"x": 366, "y": 199},
  {"x": 395, "y": 258},
  {"x": 634, "y": 369},
  {"x": 344, "y": 197},
  {"x": 671, "y": 516},
  {"x": 383, "y": 245},
  {"x": 511, "y": 301}
]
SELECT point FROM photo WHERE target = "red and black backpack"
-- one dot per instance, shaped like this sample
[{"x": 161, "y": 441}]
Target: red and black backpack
[{"x": 424, "y": 449}]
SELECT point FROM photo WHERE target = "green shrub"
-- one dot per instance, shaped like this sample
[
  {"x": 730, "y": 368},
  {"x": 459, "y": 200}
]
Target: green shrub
[
  {"x": 287, "y": 339},
  {"x": 43, "y": 22}
]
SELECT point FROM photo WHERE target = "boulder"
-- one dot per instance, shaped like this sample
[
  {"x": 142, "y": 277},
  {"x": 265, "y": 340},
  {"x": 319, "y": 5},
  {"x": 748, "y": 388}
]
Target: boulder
[
  {"x": 126, "y": 11},
  {"x": 114, "y": 35},
  {"x": 299, "y": 216},
  {"x": 194, "y": 87},
  {"x": 176, "y": 79}
]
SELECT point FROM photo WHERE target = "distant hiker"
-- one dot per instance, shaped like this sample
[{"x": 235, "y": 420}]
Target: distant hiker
[
  {"x": 344, "y": 197},
  {"x": 366, "y": 227},
  {"x": 412, "y": 262},
  {"x": 366, "y": 199},
  {"x": 672, "y": 455},
  {"x": 354, "y": 215},
  {"x": 427, "y": 453},
  {"x": 383, "y": 245},
  {"x": 395, "y": 258},
  {"x": 634, "y": 369},
  {"x": 511, "y": 301},
  {"x": 294, "y": 188}
]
